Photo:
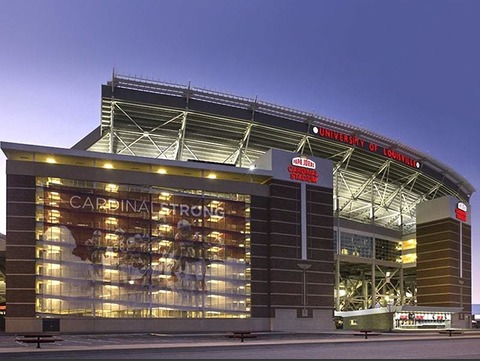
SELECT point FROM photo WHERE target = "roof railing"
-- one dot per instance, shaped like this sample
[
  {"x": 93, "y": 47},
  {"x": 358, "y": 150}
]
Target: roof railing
[{"x": 154, "y": 86}]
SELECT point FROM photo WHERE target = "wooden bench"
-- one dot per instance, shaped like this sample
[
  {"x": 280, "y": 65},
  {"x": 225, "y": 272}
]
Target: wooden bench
[
  {"x": 366, "y": 333},
  {"x": 451, "y": 332},
  {"x": 241, "y": 335},
  {"x": 37, "y": 338}
]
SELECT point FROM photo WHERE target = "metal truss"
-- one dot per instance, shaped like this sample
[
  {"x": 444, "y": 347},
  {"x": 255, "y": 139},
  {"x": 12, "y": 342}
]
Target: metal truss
[
  {"x": 368, "y": 188},
  {"x": 362, "y": 286}
]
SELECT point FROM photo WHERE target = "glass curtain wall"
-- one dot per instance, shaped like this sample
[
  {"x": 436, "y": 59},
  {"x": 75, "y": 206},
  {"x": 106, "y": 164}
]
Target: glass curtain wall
[{"x": 116, "y": 250}]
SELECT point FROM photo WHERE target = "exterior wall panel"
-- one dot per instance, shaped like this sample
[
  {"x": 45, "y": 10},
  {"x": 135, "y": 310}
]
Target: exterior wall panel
[
  {"x": 443, "y": 269},
  {"x": 21, "y": 281},
  {"x": 20, "y": 310},
  {"x": 21, "y": 252},
  {"x": 20, "y": 267}
]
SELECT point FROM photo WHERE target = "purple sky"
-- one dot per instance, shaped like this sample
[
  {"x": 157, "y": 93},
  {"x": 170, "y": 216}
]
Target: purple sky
[{"x": 408, "y": 70}]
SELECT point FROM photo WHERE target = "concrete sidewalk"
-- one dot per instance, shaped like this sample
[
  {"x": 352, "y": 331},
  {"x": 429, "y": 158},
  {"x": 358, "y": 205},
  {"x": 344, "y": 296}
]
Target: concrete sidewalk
[{"x": 182, "y": 341}]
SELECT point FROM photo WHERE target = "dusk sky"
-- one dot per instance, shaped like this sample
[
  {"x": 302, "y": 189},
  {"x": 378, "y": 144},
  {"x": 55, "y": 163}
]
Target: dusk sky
[{"x": 408, "y": 70}]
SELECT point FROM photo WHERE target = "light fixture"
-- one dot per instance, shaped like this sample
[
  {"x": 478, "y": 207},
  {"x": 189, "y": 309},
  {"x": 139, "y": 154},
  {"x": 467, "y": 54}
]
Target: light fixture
[
  {"x": 111, "y": 188},
  {"x": 51, "y": 160},
  {"x": 251, "y": 167},
  {"x": 162, "y": 171},
  {"x": 108, "y": 166},
  {"x": 212, "y": 176}
]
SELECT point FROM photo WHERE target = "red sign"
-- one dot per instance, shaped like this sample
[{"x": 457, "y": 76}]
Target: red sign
[
  {"x": 461, "y": 212},
  {"x": 303, "y": 169},
  {"x": 363, "y": 144}
]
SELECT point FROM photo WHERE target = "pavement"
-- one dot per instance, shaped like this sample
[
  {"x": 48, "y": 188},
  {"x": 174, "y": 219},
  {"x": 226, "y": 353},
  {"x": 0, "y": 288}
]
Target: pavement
[{"x": 103, "y": 342}]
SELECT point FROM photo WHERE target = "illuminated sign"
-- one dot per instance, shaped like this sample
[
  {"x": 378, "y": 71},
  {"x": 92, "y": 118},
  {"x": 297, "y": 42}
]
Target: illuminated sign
[
  {"x": 92, "y": 203},
  {"x": 303, "y": 169},
  {"x": 366, "y": 145},
  {"x": 304, "y": 162},
  {"x": 461, "y": 211}
]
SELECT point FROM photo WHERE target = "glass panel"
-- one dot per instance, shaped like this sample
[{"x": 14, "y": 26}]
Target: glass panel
[
  {"x": 115, "y": 250},
  {"x": 355, "y": 245},
  {"x": 390, "y": 251}
]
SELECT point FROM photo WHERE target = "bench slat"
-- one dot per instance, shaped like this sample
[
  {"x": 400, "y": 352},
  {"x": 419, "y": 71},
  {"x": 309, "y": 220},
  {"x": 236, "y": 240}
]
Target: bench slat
[
  {"x": 241, "y": 335},
  {"x": 366, "y": 333},
  {"x": 38, "y": 339},
  {"x": 35, "y": 340},
  {"x": 451, "y": 332}
]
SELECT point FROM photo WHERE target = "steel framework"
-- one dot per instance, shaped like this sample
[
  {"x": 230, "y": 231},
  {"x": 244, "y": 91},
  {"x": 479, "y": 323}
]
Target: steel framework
[{"x": 148, "y": 118}]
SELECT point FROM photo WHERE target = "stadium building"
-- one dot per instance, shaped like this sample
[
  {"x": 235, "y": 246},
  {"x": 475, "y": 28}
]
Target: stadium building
[{"x": 193, "y": 210}]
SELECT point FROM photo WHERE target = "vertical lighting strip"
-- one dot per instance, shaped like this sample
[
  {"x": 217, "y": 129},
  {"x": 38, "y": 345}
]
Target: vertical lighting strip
[
  {"x": 303, "y": 215},
  {"x": 461, "y": 249}
]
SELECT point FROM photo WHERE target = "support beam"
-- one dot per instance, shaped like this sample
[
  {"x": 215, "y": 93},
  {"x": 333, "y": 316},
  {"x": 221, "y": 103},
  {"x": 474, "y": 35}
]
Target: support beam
[{"x": 181, "y": 138}]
